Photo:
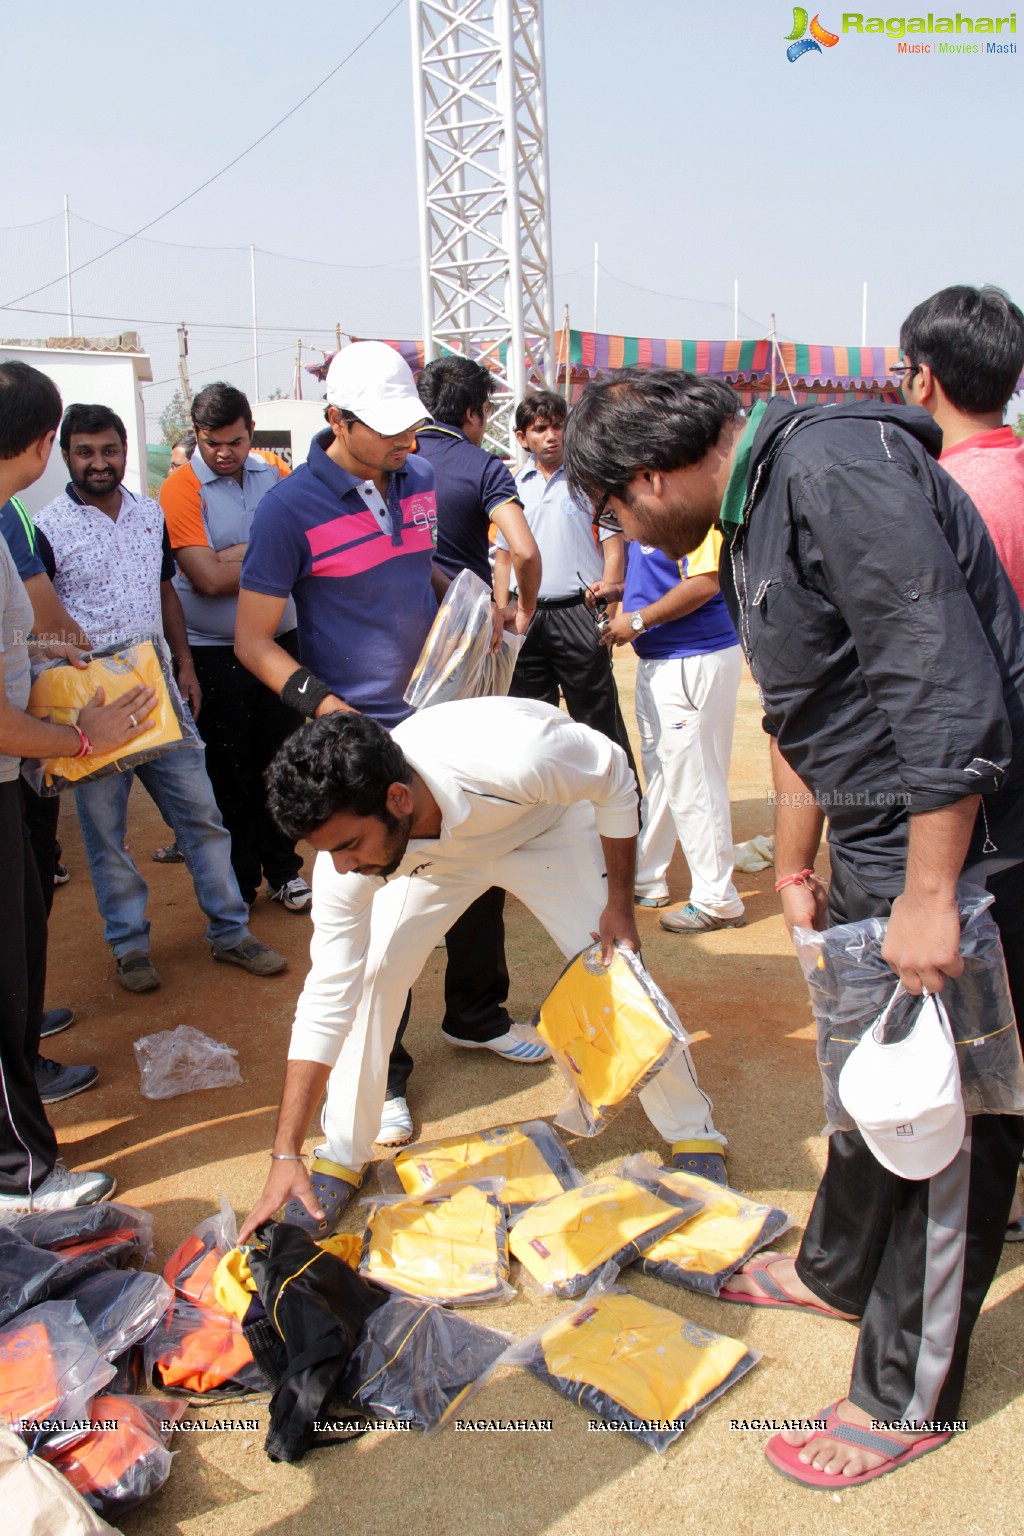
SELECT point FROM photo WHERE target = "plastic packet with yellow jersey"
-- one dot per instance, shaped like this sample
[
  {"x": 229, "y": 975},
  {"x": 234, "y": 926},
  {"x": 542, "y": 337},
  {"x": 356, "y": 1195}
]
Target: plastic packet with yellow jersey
[
  {"x": 610, "y": 1030},
  {"x": 643, "y": 1368},
  {"x": 726, "y": 1231},
  {"x": 450, "y": 1247},
  {"x": 61, "y": 691},
  {"x": 529, "y": 1159},
  {"x": 456, "y": 661},
  {"x": 564, "y": 1242}
]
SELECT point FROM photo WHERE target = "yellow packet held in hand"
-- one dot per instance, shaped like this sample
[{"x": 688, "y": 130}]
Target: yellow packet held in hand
[
  {"x": 610, "y": 1029},
  {"x": 564, "y": 1242},
  {"x": 726, "y": 1231},
  {"x": 639, "y": 1365},
  {"x": 529, "y": 1158},
  {"x": 61, "y": 692},
  {"x": 450, "y": 1248}
]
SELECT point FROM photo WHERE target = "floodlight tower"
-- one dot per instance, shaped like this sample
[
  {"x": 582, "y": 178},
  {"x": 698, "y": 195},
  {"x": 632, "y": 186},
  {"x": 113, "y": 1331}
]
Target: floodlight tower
[{"x": 485, "y": 231}]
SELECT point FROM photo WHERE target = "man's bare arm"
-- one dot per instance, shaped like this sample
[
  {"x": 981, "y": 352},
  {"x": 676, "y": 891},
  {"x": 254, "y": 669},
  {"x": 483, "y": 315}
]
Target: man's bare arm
[
  {"x": 304, "y": 1083},
  {"x": 212, "y": 573},
  {"x": 799, "y": 822},
  {"x": 176, "y": 635},
  {"x": 922, "y": 941},
  {"x": 510, "y": 520},
  {"x": 256, "y": 622},
  {"x": 618, "y": 920}
]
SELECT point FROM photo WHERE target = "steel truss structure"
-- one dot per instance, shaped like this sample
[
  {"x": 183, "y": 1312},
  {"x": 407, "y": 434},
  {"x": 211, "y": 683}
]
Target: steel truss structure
[{"x": 485, "y": 232}]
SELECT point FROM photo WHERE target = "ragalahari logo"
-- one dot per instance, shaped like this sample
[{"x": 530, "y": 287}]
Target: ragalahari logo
[{"x": 799, "y": 44}]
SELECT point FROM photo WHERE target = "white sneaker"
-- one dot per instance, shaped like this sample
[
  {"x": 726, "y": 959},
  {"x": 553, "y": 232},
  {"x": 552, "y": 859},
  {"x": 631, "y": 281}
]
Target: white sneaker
[
  {"x": 61, "y": 1190},
  {"x": 395, "y": 1124},
  {"x": 294, "y": 894},
  {"x": 520, "y": 1042}
]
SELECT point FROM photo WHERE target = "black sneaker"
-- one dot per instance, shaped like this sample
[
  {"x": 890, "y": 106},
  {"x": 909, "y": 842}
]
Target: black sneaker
[
  {"x": 61, "y": 873},
  {"x": 56, "y": 1082},
  {"x": 54, "y": 1020}
]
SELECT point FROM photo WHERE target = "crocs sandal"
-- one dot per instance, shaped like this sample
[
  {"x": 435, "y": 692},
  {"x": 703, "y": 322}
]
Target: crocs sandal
[
  {"x": 785, "y": 1458},
  {"x": 704, "y": 1158},
  {"x": 759, "y": 1270},
  {"x": 333, "y": 1187}
]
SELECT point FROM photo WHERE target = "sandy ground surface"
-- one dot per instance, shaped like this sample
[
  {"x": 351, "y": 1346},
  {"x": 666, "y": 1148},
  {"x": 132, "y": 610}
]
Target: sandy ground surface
[{"x": 741, "y": 994}]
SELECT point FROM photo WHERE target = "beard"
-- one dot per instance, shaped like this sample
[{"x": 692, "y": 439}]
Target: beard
[
  {"x": 398, "y": 829},
  {"x": 93, "y": 482},
  {"x": 677, "y": 530}
]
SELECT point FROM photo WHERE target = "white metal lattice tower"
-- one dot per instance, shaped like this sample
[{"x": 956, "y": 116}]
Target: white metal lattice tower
[{"x": 485, "y": 231}]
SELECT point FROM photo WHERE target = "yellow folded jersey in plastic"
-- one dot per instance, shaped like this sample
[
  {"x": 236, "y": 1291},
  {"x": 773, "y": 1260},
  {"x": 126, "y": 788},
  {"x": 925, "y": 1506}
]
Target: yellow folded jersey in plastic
[
  {"x": 346, "y": 1246},
  {"x": 60, "y": 692},
  {"x": 609, "y": 1031},
  {"x": 233, "y": 1284},
  {"x": 713, "y": 1244},
  {"x": 624, "y": 1358},
  {"x": 529, "y": 1158},
  {"x": 564, "y": 1242},
  {"x": 452, "y": 1248}
]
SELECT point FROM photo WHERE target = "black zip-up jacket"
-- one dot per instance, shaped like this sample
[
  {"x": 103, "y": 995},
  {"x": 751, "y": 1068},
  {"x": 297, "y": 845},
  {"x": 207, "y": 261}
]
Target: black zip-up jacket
[{"x": 882, "y": 631}]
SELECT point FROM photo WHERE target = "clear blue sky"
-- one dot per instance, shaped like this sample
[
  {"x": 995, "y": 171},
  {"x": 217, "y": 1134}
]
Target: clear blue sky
[{"x": 681, "y": 138}]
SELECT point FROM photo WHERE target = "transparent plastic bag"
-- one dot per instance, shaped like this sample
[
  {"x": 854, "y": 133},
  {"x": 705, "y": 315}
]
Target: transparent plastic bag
[
  {"x": 645, "y": 1370},
  {"x": 120, "y": 1307},
  {"x": 60, "y": 691},
  {"x": 119, "y": 1465},
  {"x": 529, "y": 1159},
  {"x": 456, "y": 661},
  {"x": 726, "y": 1231},
  {"x": 450, "y": 1247},
  {"x": 193, "y": 1265},
  {"x": 563, "y": 1243},
  {"x": 610, "y": 1030},
  {"x": 89, "y": 1238},
  {"x": 50, "y": 1369},
  {"x": 184, "y": 1060},
  {"x": 26, "y": 1273},
  {"x": 200, "y": 1351},
  {"x": 419, "y": 1363},
  {"x": 850, "y": 985}
]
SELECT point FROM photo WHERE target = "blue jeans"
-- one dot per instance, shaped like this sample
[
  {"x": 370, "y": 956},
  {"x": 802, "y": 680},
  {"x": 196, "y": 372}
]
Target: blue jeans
[{"x": 179, "y": 787}]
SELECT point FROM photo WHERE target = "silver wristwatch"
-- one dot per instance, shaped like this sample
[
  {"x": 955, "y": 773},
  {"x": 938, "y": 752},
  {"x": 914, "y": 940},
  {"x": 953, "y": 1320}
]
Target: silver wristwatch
[{"x": 636, "y": 623}]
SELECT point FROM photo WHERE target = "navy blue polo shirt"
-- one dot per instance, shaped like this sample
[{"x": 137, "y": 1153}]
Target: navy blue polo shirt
[
  {"x": 18, "y": 529},
  {"x": 358, "y": 569},
  {"x": 470, "y": 483}
]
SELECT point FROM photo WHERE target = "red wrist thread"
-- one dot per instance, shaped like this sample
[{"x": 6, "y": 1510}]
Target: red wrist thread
[{"x": 805, "y": 877}]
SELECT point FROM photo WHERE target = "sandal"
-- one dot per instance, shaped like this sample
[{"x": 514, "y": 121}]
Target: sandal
[
  {"x": 169, "y": 854},
  {"x": 785, "y": 1458},
  {"x": 333, "y": 1187},
  {"x": 704, "y": 1158},
  {"x": 758, "y": 1270}
]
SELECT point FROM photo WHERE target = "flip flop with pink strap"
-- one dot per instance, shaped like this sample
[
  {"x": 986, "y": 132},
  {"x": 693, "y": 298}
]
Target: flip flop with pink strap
[
  {"x": 758, "y": 1270},
  {"x": 785, "y": 1458}
]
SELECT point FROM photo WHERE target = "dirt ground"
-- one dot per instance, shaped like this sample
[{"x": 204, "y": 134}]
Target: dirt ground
[{"x": 741, "y": 995}]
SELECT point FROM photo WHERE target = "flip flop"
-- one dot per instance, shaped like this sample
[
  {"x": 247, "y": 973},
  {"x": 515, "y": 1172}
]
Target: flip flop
[
  {"x": 758, "y": 1270},
  {"x": 785, "y": 1458}
]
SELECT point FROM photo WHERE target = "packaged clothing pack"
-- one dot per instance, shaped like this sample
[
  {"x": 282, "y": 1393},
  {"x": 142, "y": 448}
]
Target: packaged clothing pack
[
  {"x": 311, "y": 1309},
  {"x": 447, "y": 1247},
  {"x": 90, "y": 1238},
  {"x": 26, "y": 1273},
  {"x": 529, "y": 1159},
  {"x": 184, "y": 1060},
  {"x": 634, "y": 1363},
  {"x": 420, "y": 1363},
  {"x": 120, "y": 1307},
  {"x": 191, "y": 1267},
  {"x": 456, "y": 661},
  {"x": 609, "y": 1030},
  {"x": 716, "y": 1241},
  {"x": 49, "y": 1366},
  {"x": 850, "y": 985},
  {"x": 115, "y": 1469},
  {"x": 564, "y": 1242},
  {"x": 61, "y": 691}
]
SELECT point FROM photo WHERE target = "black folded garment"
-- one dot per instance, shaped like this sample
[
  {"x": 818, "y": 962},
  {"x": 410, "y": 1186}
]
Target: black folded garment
[
  {"x": 316, "y": 1306},
  {"x": 26, "y": 1274}
]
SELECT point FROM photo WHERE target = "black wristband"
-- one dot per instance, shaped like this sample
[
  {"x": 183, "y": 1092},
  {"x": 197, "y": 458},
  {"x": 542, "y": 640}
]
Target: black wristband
[{"x": 304, "y": 693}]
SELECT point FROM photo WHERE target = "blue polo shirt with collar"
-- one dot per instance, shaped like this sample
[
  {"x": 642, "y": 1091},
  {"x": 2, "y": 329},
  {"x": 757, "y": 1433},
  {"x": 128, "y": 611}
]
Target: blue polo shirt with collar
[
  {"x": 471, "y": 483},
  {"x": 359, "y": 570},
  {"x": 18, "y": 529}
]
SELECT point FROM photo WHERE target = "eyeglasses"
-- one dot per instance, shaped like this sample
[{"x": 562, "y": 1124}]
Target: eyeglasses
[
  {"x": 604, "y": 518},
  {"x": 904, "y": 372}
]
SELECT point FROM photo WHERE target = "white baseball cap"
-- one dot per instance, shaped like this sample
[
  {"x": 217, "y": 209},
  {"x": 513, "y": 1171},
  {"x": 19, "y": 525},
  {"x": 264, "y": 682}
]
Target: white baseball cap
[
  {"x": 375, "y": 383},
  {"x": 906, "y": 1097}
]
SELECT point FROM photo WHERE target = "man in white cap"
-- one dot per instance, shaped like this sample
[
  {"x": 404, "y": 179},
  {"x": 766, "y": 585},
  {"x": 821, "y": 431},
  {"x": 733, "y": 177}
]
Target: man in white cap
[{"x": 350, "y": 536}]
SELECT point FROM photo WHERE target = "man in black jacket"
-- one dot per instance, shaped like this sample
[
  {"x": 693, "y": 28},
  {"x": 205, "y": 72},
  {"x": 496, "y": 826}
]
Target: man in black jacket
[{"x": 888, "y": 648}]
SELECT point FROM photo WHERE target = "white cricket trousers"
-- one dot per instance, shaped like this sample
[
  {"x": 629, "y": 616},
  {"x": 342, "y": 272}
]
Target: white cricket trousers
[
  {"x": 560, "y": 876},
  {"x": 685, "y": 710}
]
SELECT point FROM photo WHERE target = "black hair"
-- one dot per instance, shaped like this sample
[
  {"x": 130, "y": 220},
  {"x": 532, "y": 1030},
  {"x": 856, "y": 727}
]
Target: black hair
[
  {"x": 220, "y": 405},
  {"x": 341, "y": 762},
  {"x": 973, "y": 341},
  {"x": 188, "y": 442},
  {"x": 540, "y": 405},
  {"x": 90, "y": 418},
  {"x": 451, "y": 386},
  {"x": 637, "y": 419},
  {"x": 30, "y": 407}
]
